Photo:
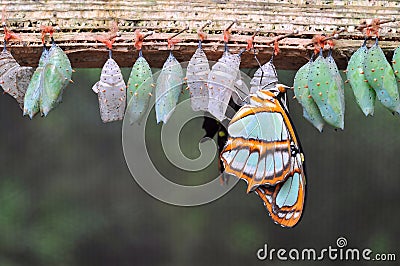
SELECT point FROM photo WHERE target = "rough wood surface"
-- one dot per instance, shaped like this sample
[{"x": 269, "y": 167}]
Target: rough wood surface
[{"x": 80, "y": 22}]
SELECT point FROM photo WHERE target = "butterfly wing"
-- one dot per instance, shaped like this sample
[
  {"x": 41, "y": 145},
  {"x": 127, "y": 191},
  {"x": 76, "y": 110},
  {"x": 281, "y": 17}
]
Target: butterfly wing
[
  {"x": 285, "y": 201},
  {"x": 260, "y": 142}
]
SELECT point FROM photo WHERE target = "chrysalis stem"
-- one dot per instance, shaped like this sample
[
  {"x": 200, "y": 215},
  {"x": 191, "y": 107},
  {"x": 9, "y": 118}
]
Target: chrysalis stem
[
  {"x": 226, "y": 49},
  {"x": 5, "y": 46},
  {"x": 109, "y": 53},
  {"x": 140, "y": 53},
  {"x": 200, "y": 46}
]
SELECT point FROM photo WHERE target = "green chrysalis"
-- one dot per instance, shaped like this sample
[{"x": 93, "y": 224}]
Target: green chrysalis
[
  {"x": 140, "y": 86},
  {"x": 168, "y": 88},
  {"x": 56, "y": 76},
  {"x": 302, "y": 93},
  {"x": 396, "y": 62},
  {"x": 326, "y": 90},
  {"x": 381, "y": 77},
  {"x": 363, "y": 92},
  {"x": 35, "y": 87}
]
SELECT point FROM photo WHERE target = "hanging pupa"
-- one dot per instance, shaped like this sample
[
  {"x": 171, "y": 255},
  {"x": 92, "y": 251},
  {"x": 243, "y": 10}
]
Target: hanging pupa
[
  {"x": 302, "y": 93},
  {"x": 111, "y": 92},
  {"x": 381, "y": 77},
  {"x": 35, "y": 87},
  {"x": 363, "y": 92},
  {"x": 14, "y": 79},
  {"x": 140, "y": 85},
  {"x": 56, "y": 76},
  {"x": 396, "y": 62},
  {"x": 168, "y": 88},
  {"x": 197, "y": 73},
  {"x": 264, "y": 78},
  {"x": 221, "y": 80},
  {"x": 326, "y": 91},
  {"x": 169, "y": 85},
  {"x": 337, "y": 78}
]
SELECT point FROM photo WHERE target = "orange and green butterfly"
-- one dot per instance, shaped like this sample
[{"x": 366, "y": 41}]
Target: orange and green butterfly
[{"x": 263, "y": 149}]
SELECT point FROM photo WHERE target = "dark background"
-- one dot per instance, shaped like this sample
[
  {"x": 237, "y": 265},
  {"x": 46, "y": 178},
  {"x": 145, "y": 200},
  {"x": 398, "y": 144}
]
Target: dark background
[{"x": 67, "y": 197}]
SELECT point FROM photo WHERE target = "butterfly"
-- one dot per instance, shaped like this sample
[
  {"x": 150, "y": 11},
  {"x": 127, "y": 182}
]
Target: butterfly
[{"x": 263, "y": 149}]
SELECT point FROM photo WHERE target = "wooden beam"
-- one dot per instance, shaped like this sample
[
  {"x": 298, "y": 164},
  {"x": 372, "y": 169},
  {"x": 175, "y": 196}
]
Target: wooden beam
[{"x": 81, "y": 21}]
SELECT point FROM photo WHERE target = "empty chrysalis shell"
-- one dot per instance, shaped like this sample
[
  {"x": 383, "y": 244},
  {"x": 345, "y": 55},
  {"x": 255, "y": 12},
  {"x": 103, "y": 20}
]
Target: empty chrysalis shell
[
  {"x": 264, "y": 78},
  {"x": 111, "y": 91},
  {"x": 326, "y": 91},
  {"x": 220, "y": 84},
  {"x": 35, "y": 87},
  {"x": 197, "y": 74},
  {"x": 168, "y": 88},
  {"x": 14, "y": 79},
  {"x": 57, "y": 74},
  {"x": 381, "y": 77},
  {"x": 302, "y": 93},
  {"x": 241, "y": 90},
  {"x": 396, "y": 62},
  {"x": 139, "y": 90},
  {"x": 363, "y": 92}
]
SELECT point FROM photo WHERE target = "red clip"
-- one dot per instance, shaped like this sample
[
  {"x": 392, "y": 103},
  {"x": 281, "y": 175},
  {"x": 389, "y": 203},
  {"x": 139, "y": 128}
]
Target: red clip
[
  {"x": 276, "y": 47},
  {"x": 172, "y": 42},
  {"x": 46, "y": 29},
  {"x": 139, "y": 37},
  {"x": 227, "y": 35},
  {"x": 373, "y": 28}
]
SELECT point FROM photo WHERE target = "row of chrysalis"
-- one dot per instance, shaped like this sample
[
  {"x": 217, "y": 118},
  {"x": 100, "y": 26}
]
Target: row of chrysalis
[{"x": 319, "y": 88}]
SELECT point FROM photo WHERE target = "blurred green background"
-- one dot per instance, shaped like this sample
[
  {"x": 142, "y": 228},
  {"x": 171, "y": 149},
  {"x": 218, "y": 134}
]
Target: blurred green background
[{"x": 67, "y": 197}]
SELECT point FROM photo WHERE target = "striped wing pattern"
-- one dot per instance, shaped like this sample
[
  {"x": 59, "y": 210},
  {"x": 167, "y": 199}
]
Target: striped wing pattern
[{"x": 262, "y": 149}]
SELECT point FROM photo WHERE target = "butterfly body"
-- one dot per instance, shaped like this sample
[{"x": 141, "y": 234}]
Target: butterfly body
[{"x": 263, "y": 150}]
